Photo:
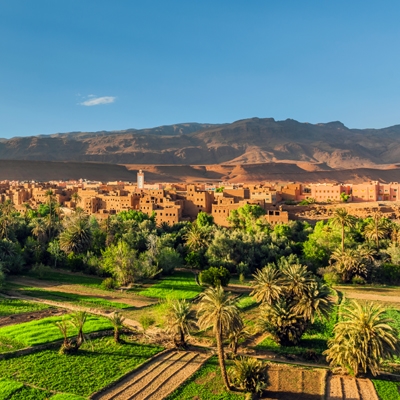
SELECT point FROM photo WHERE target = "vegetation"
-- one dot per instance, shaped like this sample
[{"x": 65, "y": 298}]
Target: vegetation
[
  {"x": 363, "y": 338},
  {"x": 181, "y": 285},
  {"x": 387, "y": 390},
  {"x": 16, "y": 306},
  {"x": 217, "y": 310},
  {"x": 43, "y": 331},
  {"x": 214, "y": 277},
  {"x": 108, "y": 359}
]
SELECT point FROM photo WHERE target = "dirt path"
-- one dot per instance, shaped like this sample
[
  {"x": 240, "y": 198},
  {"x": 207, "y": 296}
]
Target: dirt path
[
  {"x": 372, "y": 297},
  {"x": 116, "y": 297},
  {"x": 29, "y": 316},
  {"x": 157, "y": 379},
  {"x": 349, "y": 388}
]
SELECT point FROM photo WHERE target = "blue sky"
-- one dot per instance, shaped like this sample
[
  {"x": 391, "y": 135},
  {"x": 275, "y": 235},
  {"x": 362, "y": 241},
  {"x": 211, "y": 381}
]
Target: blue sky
[{"x": 88, "y": 65}]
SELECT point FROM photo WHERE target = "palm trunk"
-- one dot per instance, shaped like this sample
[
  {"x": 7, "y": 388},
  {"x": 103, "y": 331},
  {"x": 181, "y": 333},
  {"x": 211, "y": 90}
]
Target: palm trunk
[
  {"x": 221, "y": 357},
  {"x": 116, "y": 335},
  {"x": 182, "y": 337},
  {"x": 342, "y": 239}
]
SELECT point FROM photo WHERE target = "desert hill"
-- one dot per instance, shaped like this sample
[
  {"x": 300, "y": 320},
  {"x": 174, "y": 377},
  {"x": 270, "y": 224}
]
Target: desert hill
[
  {"x": 255, "y": 173},
  {"x": 250, "y": 141}
]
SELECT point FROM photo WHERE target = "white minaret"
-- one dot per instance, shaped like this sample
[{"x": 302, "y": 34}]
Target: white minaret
[{"x": 140, "y": 179}]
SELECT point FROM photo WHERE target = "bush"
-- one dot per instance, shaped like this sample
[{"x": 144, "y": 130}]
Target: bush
[
  {"x": 108, "y": 284},
  {"x": 214, "y": 277},
  {"x": 387, "y": 274},
  {"x": 331, "y": 278},
  {"x": 358, "y": 280}
]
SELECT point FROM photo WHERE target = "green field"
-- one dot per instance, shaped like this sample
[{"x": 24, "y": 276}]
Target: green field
[
  {"x": 70, "y": 279},
  {"x": 387, "y": 390},
  {"x": 88, "y": 301},
  {"x": 181, "y": 285},
  {"x": 205, "y": 384},
  {"x": 94, "y": 366},
  {"x": 246, "y": 303},
  {"x": 19, "y": 336},
  {"x": 16, "y": 306},
  {"x": 13, "y": 390}
]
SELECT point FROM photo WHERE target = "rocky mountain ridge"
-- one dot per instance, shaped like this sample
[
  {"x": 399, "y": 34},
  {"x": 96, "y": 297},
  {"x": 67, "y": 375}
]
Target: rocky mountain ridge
[{"x": 250, "y": 141}]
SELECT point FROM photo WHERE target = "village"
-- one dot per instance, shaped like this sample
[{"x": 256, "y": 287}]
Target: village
[{"x": 171, "y": 203}]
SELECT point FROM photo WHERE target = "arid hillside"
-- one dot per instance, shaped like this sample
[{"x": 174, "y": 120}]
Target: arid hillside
[
  {"x": 255, "y": 173},
  {"x": 250, "y": 141}
]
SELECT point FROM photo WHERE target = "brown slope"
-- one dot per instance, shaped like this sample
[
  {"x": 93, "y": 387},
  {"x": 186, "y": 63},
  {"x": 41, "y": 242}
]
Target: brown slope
[{"x": 247, "y": 141}]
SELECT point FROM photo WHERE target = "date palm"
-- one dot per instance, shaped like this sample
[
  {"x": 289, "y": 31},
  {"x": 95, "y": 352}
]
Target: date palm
[
  {"x": 362, "y": 339},
  {"x": 76, "y": 198},
  {"x": 180, "y": 320},
  {"x": 77, "y": 237},
  {"x": 117, "y": 321},
  {"x": 296, "y": 279},
  {"x": 342, "y": 219},
  {"x": 348, "y": 263},
  {"x": 376, "y": 228},
  {"x": 218, "y": 310},
  {"x": 267, "y": 284},
  {"x": 196, "y": 237}
]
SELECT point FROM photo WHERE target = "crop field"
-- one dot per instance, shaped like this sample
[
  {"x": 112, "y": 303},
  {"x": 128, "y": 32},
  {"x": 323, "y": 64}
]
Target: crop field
[
  {"x": 83, "y": 300},
  {"x": 181, "y": 285},
  {"x": 13, "y": 390},
  {"x": 15, "y": 337},
  {"x": 387, "y": 390},
  {"x": 71, "y": 279},
  {"x": 16, "y": 306},
  {"x": 96, "y": 364},
  {"x": 245, "y": 303}
]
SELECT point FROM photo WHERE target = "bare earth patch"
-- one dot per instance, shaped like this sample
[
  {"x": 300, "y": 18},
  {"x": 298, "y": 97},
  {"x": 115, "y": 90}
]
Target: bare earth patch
[
  {"x": 30, "y": 316},
  {"x": 350, "y": 388},
  {"x": 160, "y": 377}
]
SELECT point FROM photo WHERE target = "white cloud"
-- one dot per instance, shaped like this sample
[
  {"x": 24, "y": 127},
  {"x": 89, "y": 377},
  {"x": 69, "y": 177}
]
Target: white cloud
[{"x": 98, "y": 100}]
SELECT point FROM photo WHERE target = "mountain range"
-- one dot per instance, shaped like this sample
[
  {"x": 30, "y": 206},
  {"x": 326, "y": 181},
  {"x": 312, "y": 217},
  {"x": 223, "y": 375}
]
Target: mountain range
[{"x": 324, "y": 146}]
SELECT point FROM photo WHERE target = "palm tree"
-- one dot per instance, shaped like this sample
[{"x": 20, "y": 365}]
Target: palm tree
[
  {"x": 249, "y": 374},
  {"x": 78, "y": 319},
  {"x": 235, "y": 335},
  {"x": 296, "y": 279},
  {"x": 348, "y": 263},
  {"x": 117, "y": 321},
  {"x": 77, "y": 237},
  {"x": 341, "y": 219},
  {"x": 267, "y": 284},
  {"x": 363, "y": 338},
  {"x": 376, "y": 228},
  {"x": 76, "y": 198},
  {"x": 217, "y": 310},
  {"x": 180, "y": 320},
  {"x": 39, "y": 229},
  {"x": 196, "y": 237}
]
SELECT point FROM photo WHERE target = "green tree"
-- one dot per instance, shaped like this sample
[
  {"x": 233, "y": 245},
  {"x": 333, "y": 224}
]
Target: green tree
[
  {"x": 249, "y": 374},
  {"x": 342, "y": 219},
  {"x": 376, "y": 228},
  {"x": 362, "y": 339},
  {"x": 117, "y": 321},
  {"x": 203, "y": 219},
  {"x": 180, "y": 320},
  {"x": 77, "y": 236},
  {"x": 248, "y": 218},
  {"x": 218, "y": 310},
  {"x": 214, "y": 277}
]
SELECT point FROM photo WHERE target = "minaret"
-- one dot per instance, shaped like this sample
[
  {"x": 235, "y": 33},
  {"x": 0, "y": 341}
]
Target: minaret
[{"x": 140, "y": 179}]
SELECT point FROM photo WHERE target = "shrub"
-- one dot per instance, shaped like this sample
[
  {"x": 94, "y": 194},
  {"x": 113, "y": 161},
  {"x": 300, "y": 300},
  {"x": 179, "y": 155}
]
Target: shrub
[
  {"x": 146, "y": 321},
  {"x": 387, "y": 274},
  {"x": 214, "y": 277},
  {"x": 358, "y": 280},
  {"x": 109, "y": 284}
]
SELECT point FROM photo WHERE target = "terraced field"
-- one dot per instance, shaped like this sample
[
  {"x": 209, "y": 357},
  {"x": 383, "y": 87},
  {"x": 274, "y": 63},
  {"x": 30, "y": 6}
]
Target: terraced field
[
  {"x": 157, "y": 379},
  {"x": 349, "y": 388}
]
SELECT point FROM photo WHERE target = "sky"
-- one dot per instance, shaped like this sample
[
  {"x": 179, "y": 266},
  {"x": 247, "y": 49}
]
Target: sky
[{"x": 90, "y": 65}]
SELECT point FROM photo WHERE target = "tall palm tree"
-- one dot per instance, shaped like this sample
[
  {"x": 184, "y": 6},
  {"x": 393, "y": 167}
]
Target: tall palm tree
[
  {"x": 341, "y": 219},
  {"x": 347, "y": 263},
  {"x": 376, "y": 228},
  {"x": 363, "y": 338},
  {"x": 267, "y": 284},
  {"x": 197, "y": 237},
  {"x": 180, "y": 320},
  {"x": 218, "y": 310},
  {"x": 76, "y": 198},
  {"x": 77, "y": 237},
  {"x": 39, "y": 229}
]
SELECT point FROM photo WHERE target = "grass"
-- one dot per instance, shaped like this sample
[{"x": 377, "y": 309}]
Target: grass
[
  {"x": 16, "y": 306},
  {"x": 19, "y": 336},
  {"x": 387, "y": 390},
  {"x": 96, "y": 365},
  {"x": 71, "y": 279},
  {"x": 13, "y": 390},
  {"x": 88, "y": 301},
  {"x": 245, "y": 303},
  {"x": 181, "y": 285},
  {"x": 205, "y": 384}
]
